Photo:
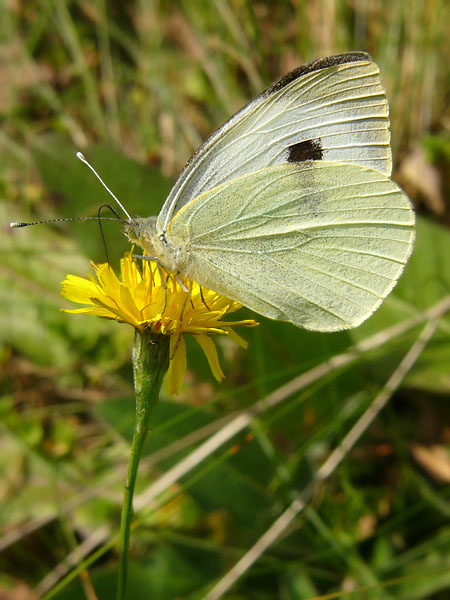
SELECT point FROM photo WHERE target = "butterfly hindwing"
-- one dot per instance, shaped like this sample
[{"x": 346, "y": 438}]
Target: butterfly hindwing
[{"x": 317, "y": 243}]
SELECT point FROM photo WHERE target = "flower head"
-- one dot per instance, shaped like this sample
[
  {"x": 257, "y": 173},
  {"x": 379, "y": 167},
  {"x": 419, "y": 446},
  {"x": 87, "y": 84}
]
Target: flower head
[{"x": 150, "y": 298}]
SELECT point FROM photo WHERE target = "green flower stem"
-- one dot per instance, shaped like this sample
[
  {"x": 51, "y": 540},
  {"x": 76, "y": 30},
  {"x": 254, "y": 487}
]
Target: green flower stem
[{"x": 150, "y": 362}]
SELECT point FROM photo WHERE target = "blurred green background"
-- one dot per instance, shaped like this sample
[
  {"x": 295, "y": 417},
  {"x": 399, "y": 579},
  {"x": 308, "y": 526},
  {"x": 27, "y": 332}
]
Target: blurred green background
[{"x": 137, "y": 86}]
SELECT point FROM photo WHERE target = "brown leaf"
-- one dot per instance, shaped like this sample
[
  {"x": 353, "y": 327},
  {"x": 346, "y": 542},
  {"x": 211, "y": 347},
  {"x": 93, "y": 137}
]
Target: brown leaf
[
  {"x": 434, "y": 460},
  {"x": 416, "y": 172}
]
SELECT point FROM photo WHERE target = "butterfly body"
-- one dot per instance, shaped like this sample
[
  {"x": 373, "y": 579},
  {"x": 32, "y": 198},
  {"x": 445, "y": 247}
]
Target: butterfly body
[{"x": 289, "y": 207}]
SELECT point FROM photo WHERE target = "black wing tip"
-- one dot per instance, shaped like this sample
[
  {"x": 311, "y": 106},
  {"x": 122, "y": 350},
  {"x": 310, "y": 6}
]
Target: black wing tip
[{"x": 317, "y": 65}]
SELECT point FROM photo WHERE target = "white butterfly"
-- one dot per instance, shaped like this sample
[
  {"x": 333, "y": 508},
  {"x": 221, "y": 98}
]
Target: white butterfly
[{"x": 289, "y": 208}]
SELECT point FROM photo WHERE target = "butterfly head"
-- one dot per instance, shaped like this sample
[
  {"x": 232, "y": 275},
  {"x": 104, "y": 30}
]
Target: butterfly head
[
  {"x": 155, "y": 243},
  {"x": 142, "y": 231}
]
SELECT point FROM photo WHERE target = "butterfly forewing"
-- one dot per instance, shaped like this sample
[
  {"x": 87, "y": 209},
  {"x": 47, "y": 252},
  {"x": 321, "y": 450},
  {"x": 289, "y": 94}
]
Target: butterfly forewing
[
  {"x": 317, "y": 243},
  {"x": 334, "y": 109}
]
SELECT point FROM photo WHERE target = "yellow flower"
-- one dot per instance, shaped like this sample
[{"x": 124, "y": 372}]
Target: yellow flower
[{"x": 140, "y": 299}]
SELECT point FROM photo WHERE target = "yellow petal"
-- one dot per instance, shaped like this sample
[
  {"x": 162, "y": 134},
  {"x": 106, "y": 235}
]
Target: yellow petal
[
  {"x": 107, "y": 278},
  {"x": 237, "y": 339},
  {"x": 89, "y": 310},
  {"x": 128, "y": 304},
  {"x": 131, "y": 276},
  {"x": 177, "y": 365},
  {"x": 80, "y": 290},
  {"x": 116, "y": 313},
  {"x": 210, "y": 351}
]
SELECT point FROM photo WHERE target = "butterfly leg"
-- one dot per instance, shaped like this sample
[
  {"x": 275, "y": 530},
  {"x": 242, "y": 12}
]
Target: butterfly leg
[
  {"x": 203, "y": 298},
  {"x": 183, "y": 310}
]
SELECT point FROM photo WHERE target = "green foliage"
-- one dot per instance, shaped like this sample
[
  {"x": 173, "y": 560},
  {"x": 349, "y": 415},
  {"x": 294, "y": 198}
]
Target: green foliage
[{"x": 136, "y": 87}]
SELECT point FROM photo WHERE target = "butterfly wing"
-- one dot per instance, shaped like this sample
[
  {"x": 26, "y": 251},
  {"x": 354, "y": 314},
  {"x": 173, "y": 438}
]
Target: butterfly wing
[
  {"x": 320, "y": 244},
  {"x": 333, "y": 109}
]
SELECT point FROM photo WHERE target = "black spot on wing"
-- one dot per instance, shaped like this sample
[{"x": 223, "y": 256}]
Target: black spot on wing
[
  {"x": 316, "y": 65},
  {"x": 306, "y": 150}
]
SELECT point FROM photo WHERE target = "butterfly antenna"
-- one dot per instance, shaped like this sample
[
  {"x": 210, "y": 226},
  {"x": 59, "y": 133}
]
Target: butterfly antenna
[
  {"x": 15, "y": 225},
  {"x": 84, "y": 160},
  {"x": 102, "y": 233}
]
